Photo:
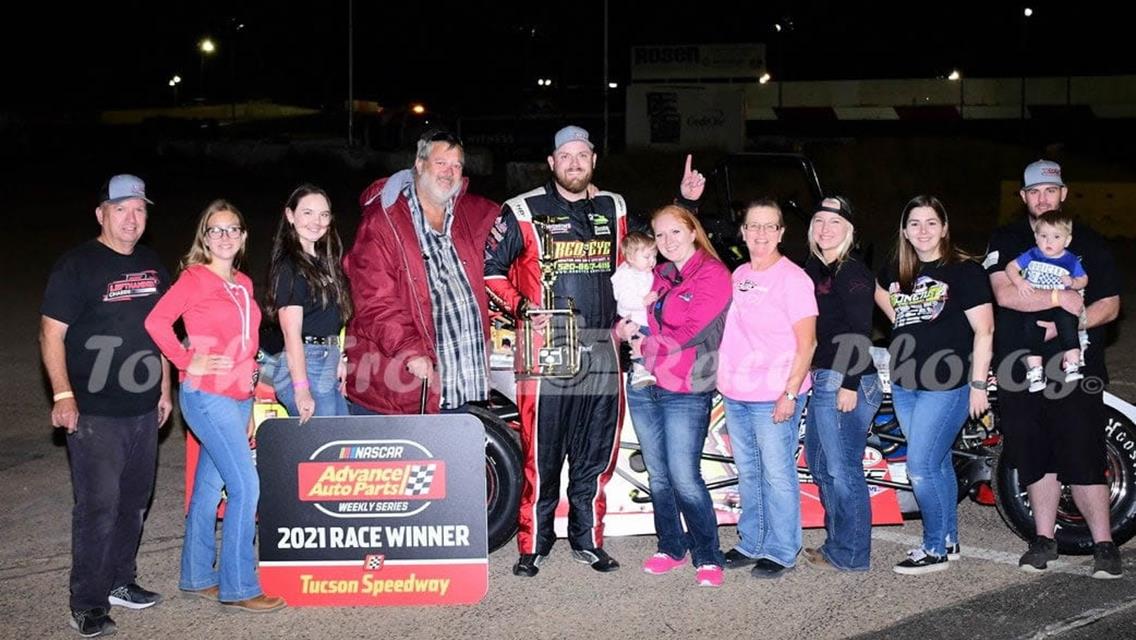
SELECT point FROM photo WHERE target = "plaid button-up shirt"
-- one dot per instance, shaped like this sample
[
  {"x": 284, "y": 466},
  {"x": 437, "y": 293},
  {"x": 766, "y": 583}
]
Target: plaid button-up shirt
[{"x": 459, "y": 339}]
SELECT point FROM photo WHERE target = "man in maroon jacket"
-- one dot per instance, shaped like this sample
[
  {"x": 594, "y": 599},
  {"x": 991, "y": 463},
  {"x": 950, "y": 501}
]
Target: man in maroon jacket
[{"x": 417, "y": 282}]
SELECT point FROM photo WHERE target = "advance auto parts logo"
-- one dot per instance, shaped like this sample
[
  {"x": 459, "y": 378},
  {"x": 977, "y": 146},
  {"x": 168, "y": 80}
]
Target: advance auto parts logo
[{"x": 372, "y": 478}]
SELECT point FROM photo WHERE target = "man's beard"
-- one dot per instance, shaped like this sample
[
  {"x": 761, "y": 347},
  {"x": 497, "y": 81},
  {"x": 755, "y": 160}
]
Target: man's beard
[
  {"x": 574, "y": 185},
  {"x": 435, "y": 192}
]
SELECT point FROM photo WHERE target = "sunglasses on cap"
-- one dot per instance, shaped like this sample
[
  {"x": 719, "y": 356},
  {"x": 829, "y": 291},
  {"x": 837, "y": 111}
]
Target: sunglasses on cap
[{"x": 442, "y": 135}]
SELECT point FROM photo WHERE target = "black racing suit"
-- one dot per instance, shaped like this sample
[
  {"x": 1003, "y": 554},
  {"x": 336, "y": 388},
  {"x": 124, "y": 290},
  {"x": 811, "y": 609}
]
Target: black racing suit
[{"x": 578, "y": 418}]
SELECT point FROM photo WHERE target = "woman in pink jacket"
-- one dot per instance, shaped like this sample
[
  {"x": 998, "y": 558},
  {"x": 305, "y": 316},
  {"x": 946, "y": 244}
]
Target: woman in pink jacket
[
  {"x": 692, "y": 293},
  {"x": 217, "y": 373}
]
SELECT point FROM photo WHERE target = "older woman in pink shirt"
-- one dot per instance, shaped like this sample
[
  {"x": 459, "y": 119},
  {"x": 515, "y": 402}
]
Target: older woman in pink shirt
[{"x": 763, "y": 371}]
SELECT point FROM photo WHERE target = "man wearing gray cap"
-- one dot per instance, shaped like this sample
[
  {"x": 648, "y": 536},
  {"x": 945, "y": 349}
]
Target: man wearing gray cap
[
  {"x": 111, "y": 393},
  {"x": 1055, "y": 437},
  {"x": 577, "y": 419}
]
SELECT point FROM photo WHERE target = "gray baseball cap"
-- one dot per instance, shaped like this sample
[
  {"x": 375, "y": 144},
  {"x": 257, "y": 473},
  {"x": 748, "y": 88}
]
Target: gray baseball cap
[
  {"x": 123, "y": 187},
  {"x": 1042, "y": 172},
  {"x": 571, "y": 133}
]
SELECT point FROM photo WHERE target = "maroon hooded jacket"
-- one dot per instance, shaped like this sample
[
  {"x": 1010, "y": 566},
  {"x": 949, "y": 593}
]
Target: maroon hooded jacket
[{"x": 393, "y": 319}]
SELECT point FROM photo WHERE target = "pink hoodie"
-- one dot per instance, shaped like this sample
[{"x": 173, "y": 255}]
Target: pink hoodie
[
  {"x": 220, "y": 318},
  {"x": 686, "y": 323}
]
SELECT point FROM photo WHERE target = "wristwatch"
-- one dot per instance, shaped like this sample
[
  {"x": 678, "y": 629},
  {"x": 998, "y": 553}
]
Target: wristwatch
[
  {"x": 978, "y": 384},
  {"x": 791, "y": 396}
]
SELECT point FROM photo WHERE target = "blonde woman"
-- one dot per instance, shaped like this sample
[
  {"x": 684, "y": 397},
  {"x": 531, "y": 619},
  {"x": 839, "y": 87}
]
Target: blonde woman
[{"x": 215, "y": 301}]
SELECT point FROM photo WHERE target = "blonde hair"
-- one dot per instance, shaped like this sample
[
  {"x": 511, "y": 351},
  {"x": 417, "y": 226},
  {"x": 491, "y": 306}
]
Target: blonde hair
[
  {"x": 1058, "y": 219},
  {"x": 687, "y": 219},
  {"x": 199, "y": 251},
  {"x": 635, "y": 241},
  {"x": 845, "y": 245}
]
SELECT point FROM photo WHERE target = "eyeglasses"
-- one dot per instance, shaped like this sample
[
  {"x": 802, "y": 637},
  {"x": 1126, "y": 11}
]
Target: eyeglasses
[
  {"x": 769, "y": 227},
  {"x": 224, "y": 232}
]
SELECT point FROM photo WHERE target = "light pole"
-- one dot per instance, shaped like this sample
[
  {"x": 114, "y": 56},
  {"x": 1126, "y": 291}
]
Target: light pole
[
  {"x": 606, "y": 80},
  {"x": 956, "y": 76},
  {"x": 351, "y": 74},
  {"x": 207, "y": 48},
  {"x": 1027, "y": 13}
]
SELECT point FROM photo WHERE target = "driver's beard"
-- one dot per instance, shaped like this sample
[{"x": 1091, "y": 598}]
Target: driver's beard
[{"x": 577, "y": 185}]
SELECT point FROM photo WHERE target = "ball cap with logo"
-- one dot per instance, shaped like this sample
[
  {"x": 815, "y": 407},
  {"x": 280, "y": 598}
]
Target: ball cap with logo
[
  {"x": 123, "y": 187},
  {"x": 572, "y": 133},
  {"x": 1042, "y": 172}
]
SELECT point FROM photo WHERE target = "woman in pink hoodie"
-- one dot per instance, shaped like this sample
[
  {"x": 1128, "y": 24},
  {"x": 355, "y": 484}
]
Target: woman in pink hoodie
[
  {"x": 217, "y": 372},
  {"x": 691, "y": 294}
]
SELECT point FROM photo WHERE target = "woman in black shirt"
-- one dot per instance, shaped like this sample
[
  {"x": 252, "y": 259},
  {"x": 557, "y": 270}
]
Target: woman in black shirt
[
  {"x": 846, "y": 390},
  {"x": 309, "y": 298},
  {"x": 939, "y": 302}
]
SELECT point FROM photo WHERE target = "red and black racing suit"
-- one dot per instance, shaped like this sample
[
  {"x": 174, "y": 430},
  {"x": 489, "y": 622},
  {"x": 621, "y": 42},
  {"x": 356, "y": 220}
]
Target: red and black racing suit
[{"x": 578, "y": 418}]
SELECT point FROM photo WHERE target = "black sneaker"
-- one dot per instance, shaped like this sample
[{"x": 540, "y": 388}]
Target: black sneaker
[
  {"x": 133, "y": 596},
  {"x": 528, "y": 565},
  {"x": 736, "y": 559},
  {"x": 767, "y": 569},
  {"x": 954, "y": 552},
  {"x": 1041, "y": 551},
  {"x": 92, "y": 622},
  {"x": 919, "y": 562},
  {"x": 598, "y": 558},
  {"x": 1106, "y": 561}
]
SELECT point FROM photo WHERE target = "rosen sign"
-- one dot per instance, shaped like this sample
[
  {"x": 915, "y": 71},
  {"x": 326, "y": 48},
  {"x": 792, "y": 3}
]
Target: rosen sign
[{"x": 374, "y": 511}]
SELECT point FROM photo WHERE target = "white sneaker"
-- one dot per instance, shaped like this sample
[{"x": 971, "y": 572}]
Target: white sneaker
[
  {"x": 640, "y": 377},
  {"x": 1072, "y": 371},
  {"x": 1036, "y": 378}
]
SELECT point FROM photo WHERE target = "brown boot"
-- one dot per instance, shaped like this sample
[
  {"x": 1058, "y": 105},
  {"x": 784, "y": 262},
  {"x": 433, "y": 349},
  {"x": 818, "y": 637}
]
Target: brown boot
[
  {"x": 259, "y": 604},
  {"x": 208, "y": 593}
]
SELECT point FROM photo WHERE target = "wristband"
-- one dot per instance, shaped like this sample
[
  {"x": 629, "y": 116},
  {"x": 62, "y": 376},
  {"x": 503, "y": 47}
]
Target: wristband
[
  {"x": 1053, "y": 297},
  {"x": 978, "y": 384},
  {"x": 300, "y": 384},
  {"x": 62, "y": 395}
]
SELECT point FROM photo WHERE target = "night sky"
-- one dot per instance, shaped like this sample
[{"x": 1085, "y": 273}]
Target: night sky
[{"x": 478, "y": 55}]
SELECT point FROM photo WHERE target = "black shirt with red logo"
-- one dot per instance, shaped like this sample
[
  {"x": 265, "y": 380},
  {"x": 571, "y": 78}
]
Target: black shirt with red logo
[{"x": 104, "y": 297}]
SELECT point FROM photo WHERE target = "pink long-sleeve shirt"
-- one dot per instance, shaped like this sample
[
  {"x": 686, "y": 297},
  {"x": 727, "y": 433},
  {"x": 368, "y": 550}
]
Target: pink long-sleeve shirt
[{"x": 221, "y": 318}]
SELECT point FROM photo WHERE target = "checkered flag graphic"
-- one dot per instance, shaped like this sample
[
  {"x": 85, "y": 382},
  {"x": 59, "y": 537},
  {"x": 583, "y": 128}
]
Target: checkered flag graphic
[
  {"x": 373, "y": 562},
  {"x": 420, "y": 479}
]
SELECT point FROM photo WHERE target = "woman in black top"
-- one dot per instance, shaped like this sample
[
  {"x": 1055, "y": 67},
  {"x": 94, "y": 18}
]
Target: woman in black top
[
  {"x": 308, "y": 296},
  {"x": 939, "y": 302},
  {"x": 846, "y": 390}
]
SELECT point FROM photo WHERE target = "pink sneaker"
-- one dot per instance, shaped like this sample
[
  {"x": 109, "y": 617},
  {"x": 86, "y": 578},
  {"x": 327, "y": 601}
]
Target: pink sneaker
[
  {"x": 709, "y": 575},
  {"x": 661, "y": 563}
]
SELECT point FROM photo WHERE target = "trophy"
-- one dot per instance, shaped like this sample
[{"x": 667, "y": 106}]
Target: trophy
[{"x": 553, "y": 352}]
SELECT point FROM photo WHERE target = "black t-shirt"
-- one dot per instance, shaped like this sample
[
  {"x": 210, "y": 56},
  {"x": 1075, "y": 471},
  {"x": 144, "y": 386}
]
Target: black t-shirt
[
  {"x": 104, "y": 297},
  {"x": 292, "y": 290},
  {"x": 932, "y": 339},
  {"x": 1008, "y": 243},
  {"x": 845, "y": 304}
]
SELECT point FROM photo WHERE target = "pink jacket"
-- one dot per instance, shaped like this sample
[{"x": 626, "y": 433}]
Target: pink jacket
[{"x": 686, "y": 323}]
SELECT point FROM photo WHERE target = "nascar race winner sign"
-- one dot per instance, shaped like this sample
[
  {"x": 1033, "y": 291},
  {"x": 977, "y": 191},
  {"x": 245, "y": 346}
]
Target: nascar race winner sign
[{"x": 373, "y": 511}]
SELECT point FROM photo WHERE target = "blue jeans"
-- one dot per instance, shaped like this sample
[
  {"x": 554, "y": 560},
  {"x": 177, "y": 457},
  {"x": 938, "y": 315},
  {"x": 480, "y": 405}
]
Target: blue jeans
[
  {"x": 765, "y": 454},
  {"x": 322, "y": 363},
  {"x": 931, "y": 420},
  {"x": 834, "y": 449},
  {"x": 671, "y": 428},
  {"x": 221, "y": 424}
]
